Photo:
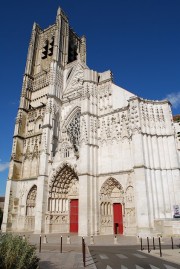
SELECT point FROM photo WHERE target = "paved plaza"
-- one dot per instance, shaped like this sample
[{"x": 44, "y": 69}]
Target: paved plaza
[{"x": 105, "y": 252}]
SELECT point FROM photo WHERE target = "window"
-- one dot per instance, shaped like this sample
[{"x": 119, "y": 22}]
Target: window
[
  {"x": 66, "y": 153},
  {"x": 48, "y": 47}
]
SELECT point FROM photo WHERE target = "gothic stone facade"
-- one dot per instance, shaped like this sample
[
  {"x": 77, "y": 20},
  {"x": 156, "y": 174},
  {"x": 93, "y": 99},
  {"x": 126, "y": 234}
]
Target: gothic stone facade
[{"x": 88, "y": 156}]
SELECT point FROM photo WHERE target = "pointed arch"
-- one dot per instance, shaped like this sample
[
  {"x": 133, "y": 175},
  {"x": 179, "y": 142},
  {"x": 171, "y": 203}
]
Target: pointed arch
[
  {"x": 108, "y": 186},
  {"x": 66, "y": 149},
  {"x": 111, "y": 193},
  {"x": 58, "y": 171},
  {"x": 64, "y": 183},
  {"x": 31, "y": 201},
  {"x": 63, "y": 180},
  {"x": 71, "y": 128},
  {"x": 71, "y": 116},
  {"x": 63, "y": 189},
  {"x": 31, "y": 208}
]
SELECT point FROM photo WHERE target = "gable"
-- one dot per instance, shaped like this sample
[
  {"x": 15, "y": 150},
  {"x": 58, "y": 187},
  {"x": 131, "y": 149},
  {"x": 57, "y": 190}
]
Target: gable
[{"x": 74, "y": 78}]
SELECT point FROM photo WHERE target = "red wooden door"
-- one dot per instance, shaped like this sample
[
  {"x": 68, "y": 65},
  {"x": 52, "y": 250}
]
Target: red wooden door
[
  {"x": 74, "y": 216},
  {"x": 118, "y": 218}
]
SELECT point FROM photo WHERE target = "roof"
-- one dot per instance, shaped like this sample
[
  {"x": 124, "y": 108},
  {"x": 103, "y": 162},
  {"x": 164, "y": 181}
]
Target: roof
[{"x": 176, "y": 118}]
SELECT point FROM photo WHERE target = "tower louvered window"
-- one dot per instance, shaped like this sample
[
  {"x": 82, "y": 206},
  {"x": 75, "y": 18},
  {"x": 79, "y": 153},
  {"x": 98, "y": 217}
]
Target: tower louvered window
[
  {"x": 51, "y": 46},
  {"x": 48, "y": 47},
  {"x": 45, "y": 50}
]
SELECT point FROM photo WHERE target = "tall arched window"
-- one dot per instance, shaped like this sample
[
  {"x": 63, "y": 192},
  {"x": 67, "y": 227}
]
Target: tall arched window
[{"x": 73, "y": 130}]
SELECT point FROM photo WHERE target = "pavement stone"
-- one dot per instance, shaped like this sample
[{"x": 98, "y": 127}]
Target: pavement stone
[{"x": 71, "y": 256}]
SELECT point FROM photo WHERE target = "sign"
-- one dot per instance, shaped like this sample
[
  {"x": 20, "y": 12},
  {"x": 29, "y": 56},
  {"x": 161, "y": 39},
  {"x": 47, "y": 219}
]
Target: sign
[{"x": 176, "y": 211}]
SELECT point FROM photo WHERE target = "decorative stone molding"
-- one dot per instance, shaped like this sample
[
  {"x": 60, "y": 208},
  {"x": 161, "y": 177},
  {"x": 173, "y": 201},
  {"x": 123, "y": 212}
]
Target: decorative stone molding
[
  {"x": 70, "y": 170},
  {"x": 75, "y": 80},
  {"x": 83, "y": 133},
  {"x": 108, "y": 186},
  {"x": 41, "y": 80}
]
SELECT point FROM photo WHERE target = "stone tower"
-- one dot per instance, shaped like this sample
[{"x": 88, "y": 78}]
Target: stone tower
[{"x": 88, "y": 156}]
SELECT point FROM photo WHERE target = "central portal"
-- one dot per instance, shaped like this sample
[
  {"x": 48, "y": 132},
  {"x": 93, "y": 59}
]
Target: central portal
[
  {"x": 74, "y": 216},
  {"x": 118, "y": 219},
  {"x": 62, "y": 215}
]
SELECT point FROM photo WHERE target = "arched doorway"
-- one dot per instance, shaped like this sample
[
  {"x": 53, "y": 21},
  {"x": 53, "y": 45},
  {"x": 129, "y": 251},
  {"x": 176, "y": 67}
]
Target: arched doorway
[
  {"x": 30, "y": 209},
  {"x": 63, "y": 198},
  {"x": 111, "y": 207}
]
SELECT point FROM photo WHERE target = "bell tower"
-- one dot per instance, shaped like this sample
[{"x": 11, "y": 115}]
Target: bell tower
[{"x": 37, "y": 124}]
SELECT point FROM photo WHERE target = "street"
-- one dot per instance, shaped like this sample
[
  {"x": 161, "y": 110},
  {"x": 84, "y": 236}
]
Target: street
[{"x": 127, "y": 257}]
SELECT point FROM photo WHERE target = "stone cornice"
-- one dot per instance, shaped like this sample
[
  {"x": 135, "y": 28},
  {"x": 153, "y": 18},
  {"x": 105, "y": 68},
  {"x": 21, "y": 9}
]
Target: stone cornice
[
  {"x": 33, "y": 135},
  {"x": 16, "y": 161},
  {"x": 54, "y": 97},
  {"x": 156, "y": 169},
  {"x": 109, "y": 174},
  {"x": 89, "y": 114},
  {"x": 158, "y": 102},
  {"x": 115, "y": 111},
  {"x": 163, "y": 169},
  {"x": 157, "y": 135},
  {"x": 92, "y": 145},
  {"x": 23, "y": 109},
  {"x": 46, "y": 126},
  {"x": 23, "y": 179},
  {"x": 18, "y": 136}
]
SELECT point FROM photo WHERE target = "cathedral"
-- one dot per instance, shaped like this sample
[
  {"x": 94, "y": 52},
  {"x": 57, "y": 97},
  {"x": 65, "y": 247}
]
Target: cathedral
[{"x": 88, "y": 156}]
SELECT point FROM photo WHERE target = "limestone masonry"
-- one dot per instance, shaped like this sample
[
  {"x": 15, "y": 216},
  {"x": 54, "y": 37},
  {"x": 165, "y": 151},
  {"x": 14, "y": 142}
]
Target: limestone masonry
[{"x": 88, "y": 156}]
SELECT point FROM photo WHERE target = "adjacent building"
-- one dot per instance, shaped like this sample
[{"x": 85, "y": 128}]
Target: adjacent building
[
  {"x": 88, "y": 156},
  {"x": 2, "y": 198}
]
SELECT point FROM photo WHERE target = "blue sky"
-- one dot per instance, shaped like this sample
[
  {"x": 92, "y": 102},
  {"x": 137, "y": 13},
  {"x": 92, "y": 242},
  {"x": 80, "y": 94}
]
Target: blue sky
[{"x": 138, "y": 40}]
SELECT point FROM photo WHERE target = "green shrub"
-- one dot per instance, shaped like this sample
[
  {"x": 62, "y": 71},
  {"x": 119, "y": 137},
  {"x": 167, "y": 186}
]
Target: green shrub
[{"x": 16, "y": 253}]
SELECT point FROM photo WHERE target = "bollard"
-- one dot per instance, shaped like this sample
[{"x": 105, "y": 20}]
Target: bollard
[
  {"x": 68, "y": 240},
  {"x": 40, "y": 243},
  {"x": 141, "y": 244},
  {"x": 84, "y": 255},
  {"x": 160, "y": 247},
  {"x": 115, "y": 239},
  {"x": 92, "y": 240},
  {"x": 82, "y": 244},
  {"x": 137, "y": 239},
  {"x": 154, "y": 244},
  {"x": 172, "y": 242},
  {"x": 84, "y": 251},
  {"x": 148, "y": 245},
  {"x": 61, "y": 245},
  {"x": 45, "y": 239}
]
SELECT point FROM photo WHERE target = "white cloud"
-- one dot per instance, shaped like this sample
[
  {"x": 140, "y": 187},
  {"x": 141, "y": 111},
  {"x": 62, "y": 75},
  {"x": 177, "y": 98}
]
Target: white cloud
[
  {"x": 174, "y": 98},
  {"x": 3, "y": 166}
]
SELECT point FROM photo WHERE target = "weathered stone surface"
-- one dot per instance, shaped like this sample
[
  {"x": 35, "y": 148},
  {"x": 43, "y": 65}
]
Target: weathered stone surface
[{"x": 78, "y": 136}]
